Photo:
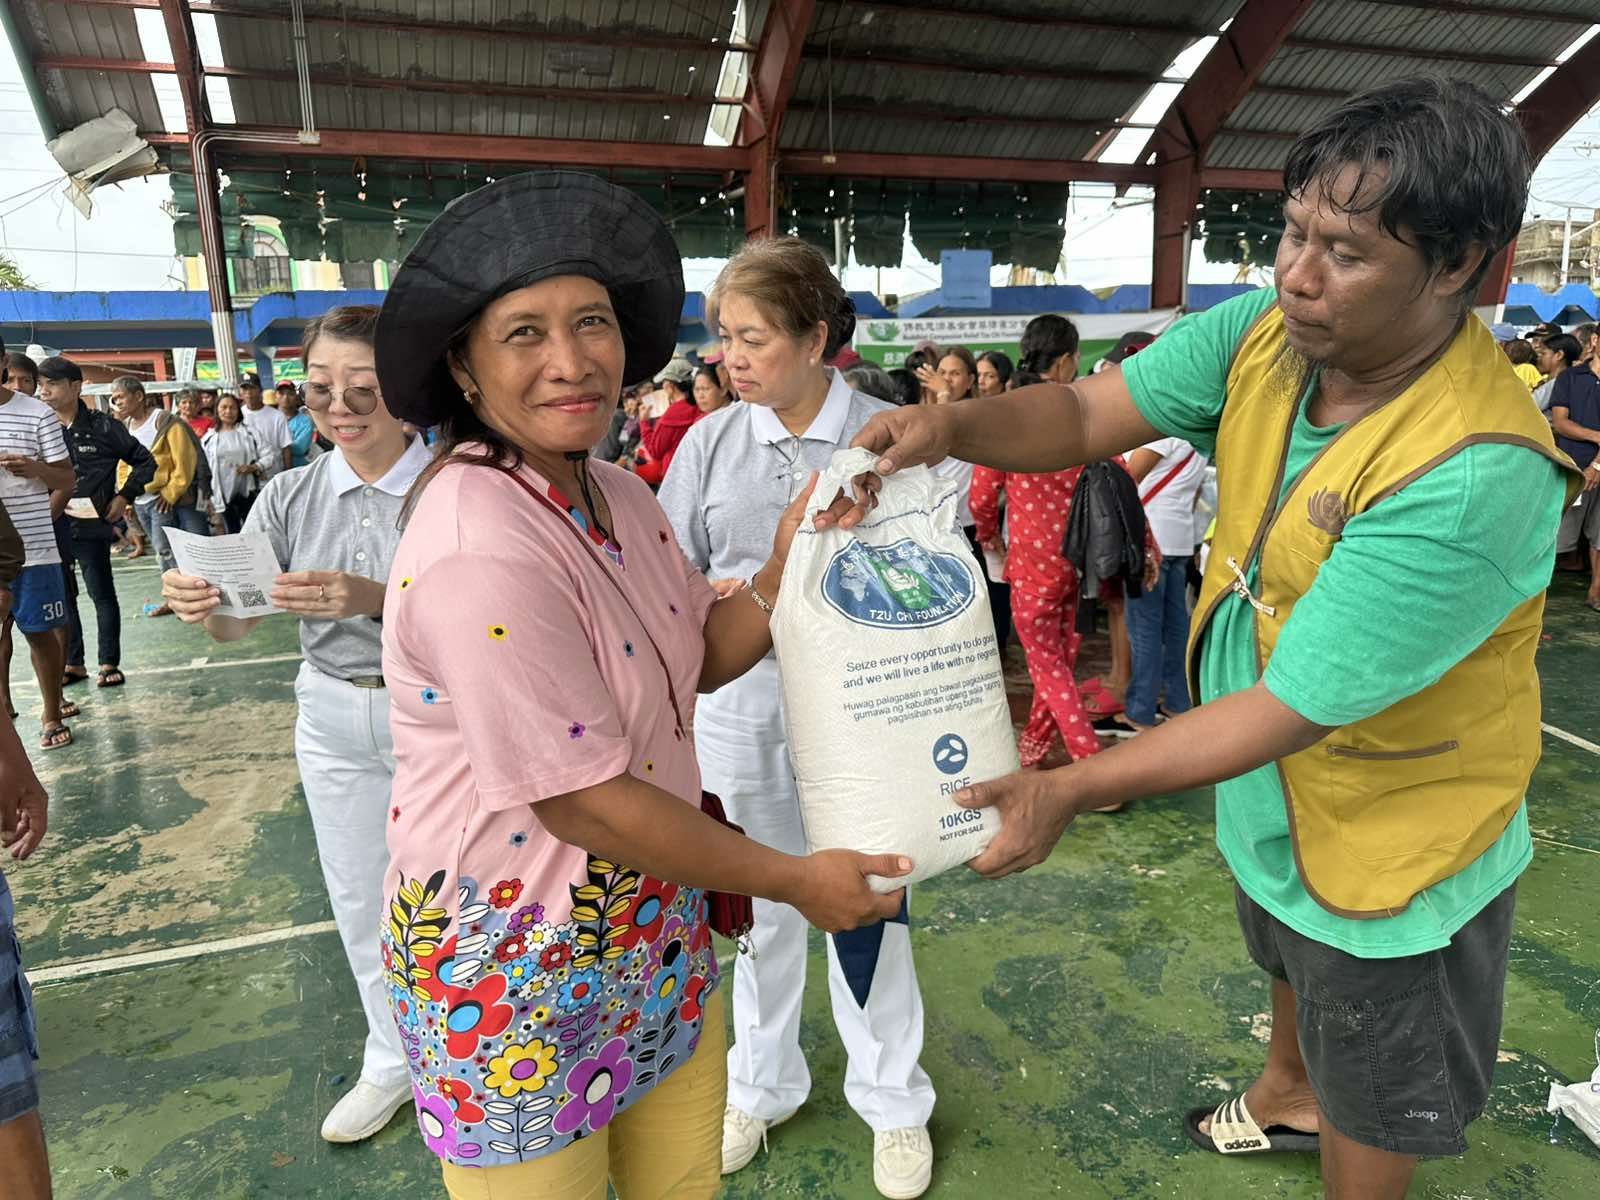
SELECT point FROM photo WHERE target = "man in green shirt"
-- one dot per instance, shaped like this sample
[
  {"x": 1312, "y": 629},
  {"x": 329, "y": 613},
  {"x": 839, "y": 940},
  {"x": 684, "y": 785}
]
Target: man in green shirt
[{"x": 1386, "y": 1022}]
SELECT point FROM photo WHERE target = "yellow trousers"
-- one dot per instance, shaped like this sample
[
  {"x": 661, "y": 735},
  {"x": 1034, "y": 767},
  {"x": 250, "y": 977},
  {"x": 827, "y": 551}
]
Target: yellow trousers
[{"x": 668, "y": 1146}]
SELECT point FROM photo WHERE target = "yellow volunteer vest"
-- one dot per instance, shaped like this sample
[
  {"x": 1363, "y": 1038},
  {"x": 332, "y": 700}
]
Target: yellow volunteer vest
[{"x": 1391, "y": 805}]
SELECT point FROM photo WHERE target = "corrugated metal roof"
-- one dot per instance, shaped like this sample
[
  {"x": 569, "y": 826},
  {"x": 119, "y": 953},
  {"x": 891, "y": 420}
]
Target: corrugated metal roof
[
  {"x": 1021, "y": 79},
  {"x": 914, "y": 105},
  {"x": 1405, "y": 40}
]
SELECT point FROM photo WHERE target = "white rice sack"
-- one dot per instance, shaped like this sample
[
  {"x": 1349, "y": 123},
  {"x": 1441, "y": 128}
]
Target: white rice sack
[{"x": 892, "y": 681}]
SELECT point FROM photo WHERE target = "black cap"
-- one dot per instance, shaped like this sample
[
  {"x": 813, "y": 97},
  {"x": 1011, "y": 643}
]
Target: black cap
[
  {"x": 57, "y": 367},
  {"x": 1129, "y": 344},
  {"x": 249, "y": 379},
  {"x": 512, "y": 233},
  {"x": 1544, "y": 329}
]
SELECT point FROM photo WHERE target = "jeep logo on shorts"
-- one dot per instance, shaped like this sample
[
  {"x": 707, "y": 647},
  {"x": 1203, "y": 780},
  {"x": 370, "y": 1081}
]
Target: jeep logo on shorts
[{"x": 901, "y": 586}]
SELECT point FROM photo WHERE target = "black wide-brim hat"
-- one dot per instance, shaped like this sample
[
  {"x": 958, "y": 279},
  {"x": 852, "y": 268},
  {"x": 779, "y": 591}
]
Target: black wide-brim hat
[{"x": 510, "y": 234}]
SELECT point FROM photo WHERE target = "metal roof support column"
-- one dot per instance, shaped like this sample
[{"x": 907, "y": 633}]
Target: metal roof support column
[
  {"x": 1177, "y": 193},
  {"x": 759, "y": 216},
  {"x": 772, "y": 80},
  {"x": 208, "y": 205},
  {"x": 1191, "y": 124},
  {"x": 1550, "y": 110}
]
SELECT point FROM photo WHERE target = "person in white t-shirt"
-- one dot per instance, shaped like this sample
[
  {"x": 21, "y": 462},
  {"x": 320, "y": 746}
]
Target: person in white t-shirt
[
  {"x": 1170, "y": 473},
  {"x": 34, "y": 465},
  {"x": 271, "y": 427}
]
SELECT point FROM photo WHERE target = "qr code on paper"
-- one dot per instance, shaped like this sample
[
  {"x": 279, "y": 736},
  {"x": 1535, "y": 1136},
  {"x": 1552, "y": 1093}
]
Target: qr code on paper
[{"x": 250, "y": 596}]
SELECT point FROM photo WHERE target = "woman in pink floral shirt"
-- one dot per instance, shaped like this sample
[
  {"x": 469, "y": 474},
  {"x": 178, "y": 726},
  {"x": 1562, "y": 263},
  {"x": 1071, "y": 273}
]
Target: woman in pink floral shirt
[{"x": 550, "y": 958}]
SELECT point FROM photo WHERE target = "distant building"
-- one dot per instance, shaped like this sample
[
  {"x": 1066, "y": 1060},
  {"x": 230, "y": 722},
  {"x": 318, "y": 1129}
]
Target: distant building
[
  {"x": 1538, "y": 254},
  {"x": 268, "y": 268}
]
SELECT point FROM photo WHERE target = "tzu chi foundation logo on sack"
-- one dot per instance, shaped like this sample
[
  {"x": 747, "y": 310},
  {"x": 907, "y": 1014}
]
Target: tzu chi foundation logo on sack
[
  {"x": 950, "y": 754},
  {"x": 898, "y": 586}
]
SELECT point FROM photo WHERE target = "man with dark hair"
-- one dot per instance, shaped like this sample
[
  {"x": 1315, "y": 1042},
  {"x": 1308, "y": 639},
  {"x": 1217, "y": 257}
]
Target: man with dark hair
[
  {"x": 98, "y": 444},
  {"x": 270, "y": 426},
  {"x": 36, "y": 481},
  {"x": 180, "y": 493},
  {"x": 1575, "y": 417},
  {"x": 1363, "y": 650},
  {"x": 21, "y": 373}
]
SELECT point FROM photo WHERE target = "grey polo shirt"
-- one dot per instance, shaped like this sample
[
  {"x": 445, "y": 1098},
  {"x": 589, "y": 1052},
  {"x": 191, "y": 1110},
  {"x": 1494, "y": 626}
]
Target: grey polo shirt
[
  {"x": 323, "y": 517},
  {"x": 737, "y": 470}
]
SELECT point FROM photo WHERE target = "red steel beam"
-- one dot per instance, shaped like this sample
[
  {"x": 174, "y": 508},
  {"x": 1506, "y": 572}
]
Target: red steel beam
[
  {"x": 772, "y": 79},
  {"x": 357, "y": 143},
  {"x": 1191, "y": 124},
  {"x": 1062, "y": 74},
  {"x": 1465, "y": 8},
  {"x": 1086, "y": 24},
  {"x": 394, "y": 84},
  {"x": 186, "y": 63},
  {"x": 772, "y": 75},
  {"x": 1241, "y": 179},
  {"x": 1379, "y": 48},
  {"x": 1549, "y": 111},
  {"x": 410, "y": 26},
  {"x": 477, "y": 148},
  {"x": 939, "y": 166},
  {"x": 943, "y": 116}
]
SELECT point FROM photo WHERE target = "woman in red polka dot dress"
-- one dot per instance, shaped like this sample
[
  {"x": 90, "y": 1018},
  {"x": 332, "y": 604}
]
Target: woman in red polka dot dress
[
  {"x": 1044, "y": 600},
  {"x": 1044, "y": 586}
]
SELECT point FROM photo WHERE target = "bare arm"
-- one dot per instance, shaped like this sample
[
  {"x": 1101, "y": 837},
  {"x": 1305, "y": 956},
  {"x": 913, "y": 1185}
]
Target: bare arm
[
  {"x": 1561, "y": 421},
  {"x": 59, "y": 476},
  {"x": 1217, "y": 741},
  {"x": 627, "y": 820},
  {"x": 737, "y": 631},
  {"x": 56, "y": 476},
  {"x": 1035, "y": 429},
  {"x": 1141, "y": 462}
]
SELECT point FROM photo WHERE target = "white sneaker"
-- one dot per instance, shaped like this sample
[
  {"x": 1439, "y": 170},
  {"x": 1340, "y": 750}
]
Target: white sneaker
[
  {"x": 742, "y": 1136},
  {"x": 363, "y": 1110},
  {"x": 902, "y": 1162}
]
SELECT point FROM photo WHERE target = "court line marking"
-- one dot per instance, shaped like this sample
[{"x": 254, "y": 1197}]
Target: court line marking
[
  {"x": 1572, "y": 738},
  {"x": 89, "y": 968},
  {"x": 205, "y": 665},
  {"x": 67, "y": 972},
  {"x": 1564, "y": 845}
]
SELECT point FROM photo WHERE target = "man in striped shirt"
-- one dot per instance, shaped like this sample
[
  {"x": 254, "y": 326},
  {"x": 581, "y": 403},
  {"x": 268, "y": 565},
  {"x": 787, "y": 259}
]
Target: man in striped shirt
[{"x": 33, "y": 465}]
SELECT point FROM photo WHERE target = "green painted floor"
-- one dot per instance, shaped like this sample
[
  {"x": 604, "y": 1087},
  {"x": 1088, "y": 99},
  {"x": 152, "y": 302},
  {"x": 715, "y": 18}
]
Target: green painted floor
[{"x": 1073, "y": 1012}]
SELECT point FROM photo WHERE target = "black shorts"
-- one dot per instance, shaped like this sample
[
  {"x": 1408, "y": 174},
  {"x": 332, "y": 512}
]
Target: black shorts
[{"x": 1400, "y": 1051}]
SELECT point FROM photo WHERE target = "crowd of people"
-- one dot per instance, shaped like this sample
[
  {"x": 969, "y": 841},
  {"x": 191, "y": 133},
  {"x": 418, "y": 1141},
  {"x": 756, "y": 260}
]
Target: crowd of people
[
  {"x": 1559, "y": 368},
  {"x": 540, "y": 727}
]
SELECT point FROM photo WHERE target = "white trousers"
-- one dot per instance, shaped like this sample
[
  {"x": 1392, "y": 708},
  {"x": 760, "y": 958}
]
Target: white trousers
[
  {"x": 744, "y": 758},
  {"x": 346, "y": 757}
]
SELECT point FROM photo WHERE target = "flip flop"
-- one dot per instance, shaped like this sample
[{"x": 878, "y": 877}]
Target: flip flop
[
  {"x": 69, "y": 708},
  {"x": 111, "y": 677},
  {"x": 1234, "y": 1131},
  {"x": 68, "y": 677},
  {"x": 49, "y": 735}
]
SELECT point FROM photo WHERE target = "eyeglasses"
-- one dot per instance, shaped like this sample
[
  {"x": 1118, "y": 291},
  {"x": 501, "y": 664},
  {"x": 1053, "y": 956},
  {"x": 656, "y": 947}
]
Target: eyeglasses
[{"x": 359, "y": 400}]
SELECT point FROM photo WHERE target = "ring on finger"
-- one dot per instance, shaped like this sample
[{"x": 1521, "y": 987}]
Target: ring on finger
[{"x": 322, "y": 593}]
